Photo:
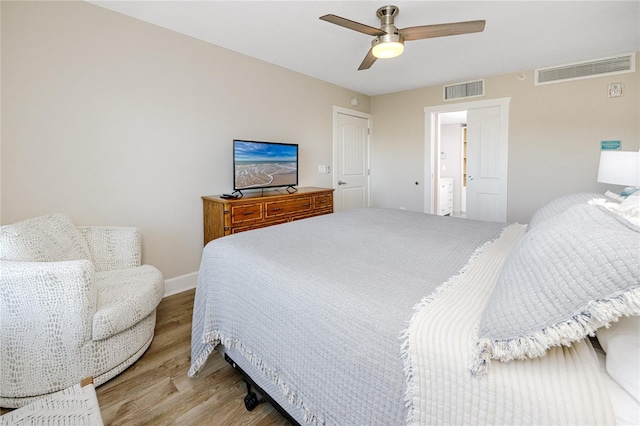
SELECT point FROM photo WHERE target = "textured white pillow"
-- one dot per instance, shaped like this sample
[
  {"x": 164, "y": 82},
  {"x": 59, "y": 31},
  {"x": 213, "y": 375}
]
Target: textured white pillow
[
  {"x": 569, "y": 276},
  {"x": 628, "y": 209},
  {"x": 560, "y": 205},
  {"x": 621, "y": 342},
  {"x": 50, "y": 238},
  {"x": 631, "y": 204}
]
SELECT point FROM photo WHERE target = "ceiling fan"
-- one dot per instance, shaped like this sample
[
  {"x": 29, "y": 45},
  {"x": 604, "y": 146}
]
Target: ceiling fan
[{"x": 389, "y": 40}]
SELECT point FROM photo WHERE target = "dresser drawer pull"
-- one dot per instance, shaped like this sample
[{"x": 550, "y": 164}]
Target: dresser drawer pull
[
  {"x": 305, "y": 205},
  {"x": 275, "y": 209},
  {"x": 247, "y": 213},
  {"x": 323, "y": 201}
]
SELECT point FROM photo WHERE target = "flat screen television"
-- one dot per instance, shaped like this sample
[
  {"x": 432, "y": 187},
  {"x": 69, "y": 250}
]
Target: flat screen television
[{"x": 259, "y": 165}]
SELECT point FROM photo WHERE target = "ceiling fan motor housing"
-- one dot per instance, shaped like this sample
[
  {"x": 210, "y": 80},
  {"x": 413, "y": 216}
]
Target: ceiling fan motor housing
[
  {"x": 387, "y": 38},
  {"x": 392, "y": 40}
]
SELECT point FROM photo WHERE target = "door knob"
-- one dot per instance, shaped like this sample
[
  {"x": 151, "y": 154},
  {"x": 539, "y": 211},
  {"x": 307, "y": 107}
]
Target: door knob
[
  {"x": 470, "y": 178},
  {"x": 341, "y": 182}
]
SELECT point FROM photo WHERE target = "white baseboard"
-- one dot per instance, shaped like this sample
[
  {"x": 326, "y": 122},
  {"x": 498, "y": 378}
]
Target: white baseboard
[{"x": 179, "y": 284}]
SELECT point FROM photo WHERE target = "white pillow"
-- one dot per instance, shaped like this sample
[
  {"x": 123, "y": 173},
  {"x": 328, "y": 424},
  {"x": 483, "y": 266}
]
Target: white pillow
[
  {"x": 569, "y": 276},
  {"x": 621, "y": 342},
  {"x": 629, "y": 208},
  {"x": 631, "y": 204},
  {"x": 560, "y": 205},
  {"x": 614, "y": 196}
]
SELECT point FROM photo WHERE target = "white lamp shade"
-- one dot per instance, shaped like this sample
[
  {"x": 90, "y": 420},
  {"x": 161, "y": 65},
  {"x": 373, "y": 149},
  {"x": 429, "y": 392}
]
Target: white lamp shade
[{"x": 619, "y": 168}]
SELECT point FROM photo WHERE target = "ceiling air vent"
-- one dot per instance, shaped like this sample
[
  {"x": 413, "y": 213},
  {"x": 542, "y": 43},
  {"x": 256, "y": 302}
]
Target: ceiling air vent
[
  {"x": 597, "y": 68},
  {"x": 469, "y": 89}
]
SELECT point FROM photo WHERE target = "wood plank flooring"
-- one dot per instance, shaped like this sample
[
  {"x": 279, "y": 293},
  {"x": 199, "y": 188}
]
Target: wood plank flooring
[{"x": 156, "y": 390}]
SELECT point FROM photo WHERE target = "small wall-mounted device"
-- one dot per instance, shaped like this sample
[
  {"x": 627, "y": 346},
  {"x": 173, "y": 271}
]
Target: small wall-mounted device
[
  {"x": 323, "y": 169},
  {"x": 615, "y": 90}
]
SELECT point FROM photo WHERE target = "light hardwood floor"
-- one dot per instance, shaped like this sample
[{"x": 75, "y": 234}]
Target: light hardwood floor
[{"x": 156, "y": 390}]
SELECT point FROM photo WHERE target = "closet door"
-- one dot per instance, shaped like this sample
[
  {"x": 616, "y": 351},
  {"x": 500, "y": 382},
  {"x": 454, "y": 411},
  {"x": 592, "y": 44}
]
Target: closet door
[{"x": 352, "y": 162}]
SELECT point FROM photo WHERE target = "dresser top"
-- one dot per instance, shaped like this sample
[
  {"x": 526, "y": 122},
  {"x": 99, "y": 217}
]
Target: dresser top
[{"x": 269, "y": 193}]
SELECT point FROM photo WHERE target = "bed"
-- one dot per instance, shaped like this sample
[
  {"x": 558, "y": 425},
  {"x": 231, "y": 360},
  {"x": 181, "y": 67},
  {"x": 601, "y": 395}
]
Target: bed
[{"x": 382, "y": 316}]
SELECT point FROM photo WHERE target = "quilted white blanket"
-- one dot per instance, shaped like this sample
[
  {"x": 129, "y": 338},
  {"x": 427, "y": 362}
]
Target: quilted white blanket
[{"x": 564, "y": 387}]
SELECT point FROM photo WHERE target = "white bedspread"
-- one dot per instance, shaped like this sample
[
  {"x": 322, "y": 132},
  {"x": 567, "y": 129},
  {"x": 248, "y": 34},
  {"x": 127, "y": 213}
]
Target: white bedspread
[{"x": 564, "y": 387}]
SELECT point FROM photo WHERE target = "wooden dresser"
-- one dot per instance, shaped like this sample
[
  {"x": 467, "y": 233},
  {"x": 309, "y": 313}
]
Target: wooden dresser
[{"x": 224, "y": 216}]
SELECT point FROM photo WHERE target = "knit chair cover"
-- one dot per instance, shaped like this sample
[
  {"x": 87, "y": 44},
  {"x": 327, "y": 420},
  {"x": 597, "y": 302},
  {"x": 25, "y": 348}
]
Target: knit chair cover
[{"x": 75, "y": 302}]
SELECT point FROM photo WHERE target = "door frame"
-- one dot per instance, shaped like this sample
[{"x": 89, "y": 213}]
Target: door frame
[
  {"x": 431, "y": 140},
  {"x": 336, "y": 146}
]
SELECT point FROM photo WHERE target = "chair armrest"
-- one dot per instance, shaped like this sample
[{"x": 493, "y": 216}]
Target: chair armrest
[
  {"x": 113, "y": 247},
  {"x": 41, "y": 299},
  {"x": 46, "y": 321}
]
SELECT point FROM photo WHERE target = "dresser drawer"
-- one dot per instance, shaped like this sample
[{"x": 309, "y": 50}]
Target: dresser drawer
[
  {"x": 444, "y": 210},
  {"x": 243, "y": 213},
  {"x": 257, "y": 225},
  {"x": 287, "y": 207},
  {"x": 322, "y": 202}
]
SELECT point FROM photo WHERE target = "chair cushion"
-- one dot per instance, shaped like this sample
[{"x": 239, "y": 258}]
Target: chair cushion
[
  {"x": 50, "y": 238},
  {"x": 125, "y": 296}
]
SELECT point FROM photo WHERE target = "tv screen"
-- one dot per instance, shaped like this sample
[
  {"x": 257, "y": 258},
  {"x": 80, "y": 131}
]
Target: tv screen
[{"x": 264, "y": 164}]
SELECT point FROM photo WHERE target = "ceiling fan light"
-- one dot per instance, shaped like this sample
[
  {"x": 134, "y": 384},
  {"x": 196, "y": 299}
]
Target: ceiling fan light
[
  {"x": 390, "y": 49},
  {"x": 387, "y": 46}
]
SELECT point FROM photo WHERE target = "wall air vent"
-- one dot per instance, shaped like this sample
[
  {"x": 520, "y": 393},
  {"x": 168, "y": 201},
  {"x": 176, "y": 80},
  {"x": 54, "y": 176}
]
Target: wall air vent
[
  {"x": 597, "y": 68},
  {"x": 469, "y": 89}
]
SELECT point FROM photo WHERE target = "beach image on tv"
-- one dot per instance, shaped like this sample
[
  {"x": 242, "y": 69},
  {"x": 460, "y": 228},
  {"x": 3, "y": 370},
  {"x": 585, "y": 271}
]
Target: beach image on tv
[{"x": 265, "y": 164}]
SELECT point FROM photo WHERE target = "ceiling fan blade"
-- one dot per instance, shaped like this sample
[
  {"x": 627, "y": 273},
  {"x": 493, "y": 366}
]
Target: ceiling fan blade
[
  {"x": 368, "y": 61},
  {"x": 441, "y": 30},
  {"x": 352, "y": 25}
]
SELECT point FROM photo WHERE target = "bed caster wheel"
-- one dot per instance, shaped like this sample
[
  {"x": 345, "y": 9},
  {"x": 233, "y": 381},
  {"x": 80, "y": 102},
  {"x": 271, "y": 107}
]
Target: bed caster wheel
[{"x": 251, "y": 401}]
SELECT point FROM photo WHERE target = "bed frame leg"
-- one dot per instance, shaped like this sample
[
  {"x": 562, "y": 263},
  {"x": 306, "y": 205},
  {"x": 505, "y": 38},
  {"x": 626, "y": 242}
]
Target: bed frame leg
[{"x": 251, "y": 400}]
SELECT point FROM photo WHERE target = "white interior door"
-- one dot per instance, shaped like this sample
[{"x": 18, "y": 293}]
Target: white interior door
[
  {"x": 486, "y": 166},
  {"x": 351, "y": 160},
  {"x": 488, "y": 189}
]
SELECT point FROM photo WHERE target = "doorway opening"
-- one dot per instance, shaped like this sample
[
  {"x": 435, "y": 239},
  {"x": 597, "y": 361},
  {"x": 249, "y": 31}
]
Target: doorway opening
[
  {"x": 452, "y": 157},
  {"x": 468, "y": 143}
]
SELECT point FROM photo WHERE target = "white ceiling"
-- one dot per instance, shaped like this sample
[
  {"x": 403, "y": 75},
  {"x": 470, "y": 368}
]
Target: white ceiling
[{"x": 519, "y": 36}]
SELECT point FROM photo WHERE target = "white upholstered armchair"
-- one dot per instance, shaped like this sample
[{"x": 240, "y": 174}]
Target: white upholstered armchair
[{"x": 74, "y": 302}]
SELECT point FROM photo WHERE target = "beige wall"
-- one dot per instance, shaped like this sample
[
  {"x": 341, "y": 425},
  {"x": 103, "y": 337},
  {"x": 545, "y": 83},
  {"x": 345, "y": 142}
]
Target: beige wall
[
  {"x": 554, "y": 138},
  {"x": 116, "y": 121},
  {"x": 119, "y": 122},
  {"x": 0, "y": 114}
]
